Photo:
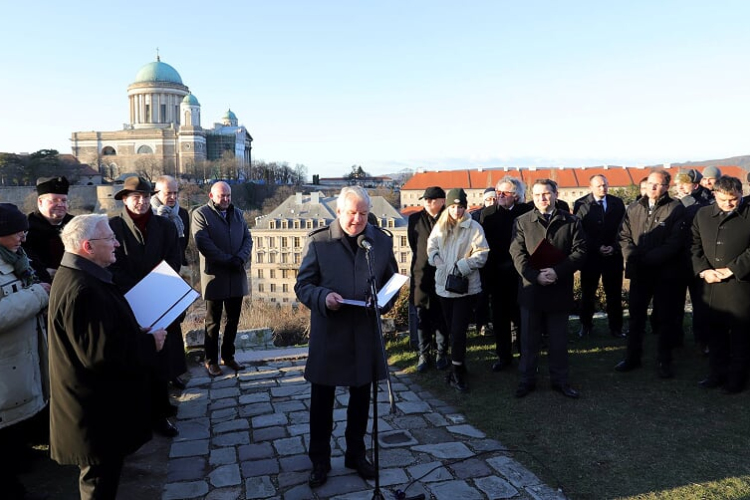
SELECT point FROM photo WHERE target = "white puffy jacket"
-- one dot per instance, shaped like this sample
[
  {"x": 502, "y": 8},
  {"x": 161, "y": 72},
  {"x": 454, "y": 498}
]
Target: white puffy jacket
[{"x": 467, "y": 248}]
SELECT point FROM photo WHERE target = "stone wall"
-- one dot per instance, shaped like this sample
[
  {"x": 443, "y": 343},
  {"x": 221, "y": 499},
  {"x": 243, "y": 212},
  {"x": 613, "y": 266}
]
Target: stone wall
[{"x": 83, "y": 199}]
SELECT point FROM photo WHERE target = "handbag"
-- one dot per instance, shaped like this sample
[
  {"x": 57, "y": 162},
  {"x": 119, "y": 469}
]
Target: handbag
[{"x": 455, "y": 282}]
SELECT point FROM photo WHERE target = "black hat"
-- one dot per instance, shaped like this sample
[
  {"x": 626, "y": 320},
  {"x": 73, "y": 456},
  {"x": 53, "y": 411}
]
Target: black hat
[
  {"x": 134, "y": 184},
  {"x": 54, "y": 185},
  {"x": 456, "y": 196},
  {"x": 433, "y": 193},
  {"x": 12, "y": 220}
]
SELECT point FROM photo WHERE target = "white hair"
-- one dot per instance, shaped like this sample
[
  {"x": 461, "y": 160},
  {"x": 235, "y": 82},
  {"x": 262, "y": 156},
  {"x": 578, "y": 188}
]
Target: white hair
[
  {"x": 353, "y": 192},
  {"x": 518, "y": 187},
  {"x": 80, "y": 228}
]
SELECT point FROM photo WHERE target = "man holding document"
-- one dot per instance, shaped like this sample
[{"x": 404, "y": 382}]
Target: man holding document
[
  {"x": 344, "y": 347},
  {"x": 548, "y": 247},
  {"x": 99, "y": 362}
]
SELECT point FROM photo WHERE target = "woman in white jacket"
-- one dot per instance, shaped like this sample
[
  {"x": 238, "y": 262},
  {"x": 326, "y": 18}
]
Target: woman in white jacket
[
  {"x": 457, "y": 245},
  {"x": 23, "y": 345}
]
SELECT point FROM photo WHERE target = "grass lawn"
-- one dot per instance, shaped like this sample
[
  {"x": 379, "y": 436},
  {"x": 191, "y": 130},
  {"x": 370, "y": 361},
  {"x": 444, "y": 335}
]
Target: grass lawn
[{"x": 631, "y": 435}]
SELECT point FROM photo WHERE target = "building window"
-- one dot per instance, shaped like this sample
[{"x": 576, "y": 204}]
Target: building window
[
  {"x": 273, "y": 287},
  {"x": 321, "y": 223},
  {"x": 297, "y": 242},
  {"x": 285, "y": 288},
  {"x": 273, "y": 299},
  {"x": 284, "y": 258},
  {"x": 259, "y": 258},
  {"x": 271, "y": 258},
  {"x": 403, "y": 271},
  {"x": 261, "y": 288},
  {"x": 403, "y": 241},
  {"x": 271, "y": 241},
  {"x": 145, "y": 150},
  {"x": 308, "y": 224},
  {"x": 260, "y": 274},
  {"x": 108, "y": 151},
  {"x": 272, "y": 273},
  {"x": 284, "y": 273},
  {"x": 163, "y": 117},
  {"x": 297, "y": 258},
  {"x": 284, "y": 242},
  {"x": 285, "y": 224},
  {"x": 391, "y": 223},
  {"x": 285, "y": 299},
  {"x": 403, "y": 258},
  {"x": 272, "y": 224}
]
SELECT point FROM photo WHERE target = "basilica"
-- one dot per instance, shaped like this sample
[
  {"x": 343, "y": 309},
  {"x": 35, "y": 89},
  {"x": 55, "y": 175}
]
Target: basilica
[{"x": 164, "y": 132}]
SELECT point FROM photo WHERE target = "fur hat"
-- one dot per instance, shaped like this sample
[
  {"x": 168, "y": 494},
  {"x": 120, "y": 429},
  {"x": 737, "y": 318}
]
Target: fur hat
[
  {"x": 54, "y": 185},
  {"x": 134, "y": 184},
  {"x": 12, "y": 220},
  {"x": 456, "y": 196}
]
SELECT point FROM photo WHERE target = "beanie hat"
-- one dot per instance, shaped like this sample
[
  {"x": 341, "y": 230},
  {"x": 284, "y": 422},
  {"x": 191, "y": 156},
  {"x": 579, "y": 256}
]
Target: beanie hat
[
  {"x": 456, "y": 196},
  {"x": 695, "y": 176},
  {"x": 12, "y": 220},
  {"x": 712, "y": 172},
  {"x": 488, "y": 190}
]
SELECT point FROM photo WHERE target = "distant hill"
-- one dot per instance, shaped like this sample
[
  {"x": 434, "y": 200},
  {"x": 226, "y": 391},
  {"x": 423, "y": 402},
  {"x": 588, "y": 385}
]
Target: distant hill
[{"x": 740, "y": 161}]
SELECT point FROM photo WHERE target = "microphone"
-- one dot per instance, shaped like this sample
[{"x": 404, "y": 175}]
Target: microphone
[{"x": 364, "y": 242}]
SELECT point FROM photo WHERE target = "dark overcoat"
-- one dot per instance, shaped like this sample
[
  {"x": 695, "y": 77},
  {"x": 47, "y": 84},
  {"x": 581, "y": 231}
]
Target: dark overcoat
[
  {"x": 564, "y": 232},
  {"x": 724, "y": 241},
  {"x": 99, "y": 360},
  {"x": 139, "y": 254},
  {"x": 43, "y": 244},
  {"x": 601, "y": 228},
  {"x": 497, "y": 222},
  {"x": 218, "y": 239},
  {"x": 344, "y": 346},
  {"x": 422, "y": 273}
]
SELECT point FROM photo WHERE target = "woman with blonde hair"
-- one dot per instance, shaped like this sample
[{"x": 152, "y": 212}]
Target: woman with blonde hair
[{"x": 457, "y": 247}]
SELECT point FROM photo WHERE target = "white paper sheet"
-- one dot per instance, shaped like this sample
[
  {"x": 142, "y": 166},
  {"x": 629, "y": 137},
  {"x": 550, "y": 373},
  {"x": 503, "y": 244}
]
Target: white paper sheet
[{"x": 385, "y": 294}]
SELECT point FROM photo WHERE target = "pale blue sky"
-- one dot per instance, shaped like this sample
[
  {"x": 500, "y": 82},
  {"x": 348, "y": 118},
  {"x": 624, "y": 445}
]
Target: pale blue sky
[{"x": 397, "y": 84}]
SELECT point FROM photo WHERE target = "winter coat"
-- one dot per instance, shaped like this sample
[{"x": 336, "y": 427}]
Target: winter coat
[
  {"x": 466, "y": 249},
  {"x": 601, "y": 228},
  {"x": 344, "y": 348},
  {"x": 137, "y": 256},
  {"x": 422, "y": 273},
  {"x": 218, "y": 240},
  {"x": 99, "y": 361},
  {"x": 24, "y": 378},
  {"x": 497, "y": 223},
  {"x": 43, "y": 244},
  {"x": 651, "y": 242},
  {"x": 565, "y": 233},
  {"x": 724, "y": 241}
]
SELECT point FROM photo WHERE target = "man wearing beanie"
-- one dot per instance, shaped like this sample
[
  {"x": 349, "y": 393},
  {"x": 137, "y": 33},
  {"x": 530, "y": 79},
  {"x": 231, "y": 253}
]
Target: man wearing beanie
[
  {"x": 24, "y": 390},
  {"x": 43, "y": 243},
  {"x": 710, "y": 174}
]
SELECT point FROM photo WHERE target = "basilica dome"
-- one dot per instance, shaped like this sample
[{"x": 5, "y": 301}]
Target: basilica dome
[
  {"x": 191, "y": 100},
  {"x": 158, "y": 71}
]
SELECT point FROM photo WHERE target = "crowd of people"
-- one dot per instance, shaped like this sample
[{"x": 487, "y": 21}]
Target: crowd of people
[
  {"x": 521, "y": 258},
  {"x": 74, "y": 362}
]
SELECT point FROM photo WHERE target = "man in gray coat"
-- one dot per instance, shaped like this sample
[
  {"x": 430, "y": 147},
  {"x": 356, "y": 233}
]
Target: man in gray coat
[
  {"x": 224, "y": 243},
  {"x": 344, "y": 345}
]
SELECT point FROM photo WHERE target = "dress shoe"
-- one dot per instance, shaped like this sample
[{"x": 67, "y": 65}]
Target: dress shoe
[
  {"x": 233, "y": 364},
  {"x": 711, "y": 382},
  {"x": 177, "y": 383},
  {"x": 213, "y": 369},
  {"x": 319, "y": 474},
  {"x": 363, "y": 467},
  {"x": 618, "y": 334},
  {"x": 664, "y": 370},
  {"x": 585, "y": 331},
  {"x": 627, "y": 365},
  {"x": 165, "y": 428},
  {"x": 566, "y": 390},
  {"x": 423, "y": 364},
  {"x": 500, "y": 365},
  {"x": 524, "y": 390},
  {"x": 457, "y": 378},
  {"x": 443, "y": 362}
]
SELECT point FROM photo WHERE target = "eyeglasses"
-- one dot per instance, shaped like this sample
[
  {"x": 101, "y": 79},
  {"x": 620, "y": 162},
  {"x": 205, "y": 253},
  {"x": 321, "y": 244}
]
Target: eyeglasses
[
  {"x": 652, "y": 185},
  {"x": 506, "y": 193},
  {"x": 20, "y": 234},
  {"x": 112, "y": 238}
]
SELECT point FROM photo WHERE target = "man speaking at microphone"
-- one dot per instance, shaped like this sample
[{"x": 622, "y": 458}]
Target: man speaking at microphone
[{"x": 344, "y": 348}]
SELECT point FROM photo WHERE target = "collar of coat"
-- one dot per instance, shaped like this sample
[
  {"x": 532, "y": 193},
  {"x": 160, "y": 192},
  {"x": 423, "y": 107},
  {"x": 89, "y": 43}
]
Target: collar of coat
[
  {"x": 79, "y": 263},
  {"x": 555, "y": 214},
  {"x": 740, "y": 210},
  {"x": 663, "y": 200}
]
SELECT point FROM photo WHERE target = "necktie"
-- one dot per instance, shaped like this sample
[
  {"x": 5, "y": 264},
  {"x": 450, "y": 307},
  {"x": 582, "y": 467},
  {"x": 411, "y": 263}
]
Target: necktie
[{"x": 601, "y": 204}]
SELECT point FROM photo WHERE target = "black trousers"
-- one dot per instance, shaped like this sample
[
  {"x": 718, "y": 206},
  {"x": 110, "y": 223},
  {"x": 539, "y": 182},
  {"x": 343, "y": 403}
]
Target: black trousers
[
  {"x": 609, "y": 269},
  {"x": 729, "y": 350},
  {"x": 533, "y": 324},
  {"x": 321, "y": 421},
  {"x": 506, "y": 314},
  {"x": 100, "y": 481},
  {"x": 431, "y": 327},
  {"x": 457, "y": 314},
  {"x": 214, "y": 309},
  {"x": 667, "y": 310}
]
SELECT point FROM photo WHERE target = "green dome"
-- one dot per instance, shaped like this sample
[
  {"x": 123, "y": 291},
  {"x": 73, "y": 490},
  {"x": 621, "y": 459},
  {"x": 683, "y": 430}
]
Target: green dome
[
  {"x": 191, "y": 100},
  {"x": 158, "y": 71},
  {"x": 229, "y": 115}
]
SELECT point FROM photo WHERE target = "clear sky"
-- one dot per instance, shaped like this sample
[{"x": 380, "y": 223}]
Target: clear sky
[{"x": 394, "y": 85}]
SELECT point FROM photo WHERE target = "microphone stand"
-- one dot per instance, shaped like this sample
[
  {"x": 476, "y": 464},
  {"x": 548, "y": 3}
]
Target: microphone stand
[{"x": 373, "y": 303}]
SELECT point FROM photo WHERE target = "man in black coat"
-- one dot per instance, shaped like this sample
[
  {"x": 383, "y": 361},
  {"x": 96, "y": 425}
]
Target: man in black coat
[
  {"x": 721, "y": 258},
  {"x": 498, "y": 275},
  {"x": 99, "y": 359},
  {"x": 43, "y": 244},
  {"x": 601, "y": 215},
  {"x": 652, "y": 237},
  {"x": 548, "y": 247},
  {"x": 430, "y": 324},
  {"x": 145, "y": 240},
  {"x": 345, "y": 348}
]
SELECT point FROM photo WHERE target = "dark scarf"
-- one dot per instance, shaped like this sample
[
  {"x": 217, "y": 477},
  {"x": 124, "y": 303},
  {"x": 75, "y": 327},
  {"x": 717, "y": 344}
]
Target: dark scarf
[
  {"x": 21, "y": 266},
  {"x": 140, "y": 221}
]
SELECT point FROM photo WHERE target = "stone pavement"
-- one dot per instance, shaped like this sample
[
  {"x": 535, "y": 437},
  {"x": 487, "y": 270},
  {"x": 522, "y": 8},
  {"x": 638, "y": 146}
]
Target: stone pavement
[{"x": 244, "y": 436}]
